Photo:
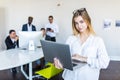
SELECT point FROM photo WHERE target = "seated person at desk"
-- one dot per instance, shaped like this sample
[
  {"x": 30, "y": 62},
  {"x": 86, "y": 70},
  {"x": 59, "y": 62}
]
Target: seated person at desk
[
  {"x": 12, "y": 42},
  {"x": 29, "y": 26},
  {"x": 43, "y": 33},
  {"x": 41, "y": 62}
]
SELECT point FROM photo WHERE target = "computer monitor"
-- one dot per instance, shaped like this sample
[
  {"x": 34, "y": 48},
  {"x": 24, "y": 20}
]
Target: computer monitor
[{"x": 25, "y": 37}]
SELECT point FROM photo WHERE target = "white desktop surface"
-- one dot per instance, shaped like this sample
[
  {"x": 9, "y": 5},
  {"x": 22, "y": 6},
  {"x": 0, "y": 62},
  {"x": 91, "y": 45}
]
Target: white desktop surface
[{"x": 16, "y": 57}]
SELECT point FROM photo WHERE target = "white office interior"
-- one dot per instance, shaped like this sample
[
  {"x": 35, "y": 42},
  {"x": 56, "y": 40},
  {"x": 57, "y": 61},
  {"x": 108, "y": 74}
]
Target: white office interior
[{"x": 14, "y": 13}]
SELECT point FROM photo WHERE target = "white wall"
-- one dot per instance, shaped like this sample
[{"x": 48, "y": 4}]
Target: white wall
[
  {"x": 2, "y": 28},
  {"x": 17, "y": 11}
]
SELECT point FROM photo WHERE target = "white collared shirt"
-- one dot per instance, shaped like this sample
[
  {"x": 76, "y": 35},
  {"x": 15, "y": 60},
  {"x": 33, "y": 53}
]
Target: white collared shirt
[
  {"x": 54, "y": 27},
  {"x": 29, "y": 27},
  {"x": 13, "y": 40},
  {"x": 94, "y": 49}
]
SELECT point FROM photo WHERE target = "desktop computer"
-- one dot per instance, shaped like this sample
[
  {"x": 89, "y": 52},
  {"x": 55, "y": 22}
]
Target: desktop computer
[{"x": 29, "y": 40}]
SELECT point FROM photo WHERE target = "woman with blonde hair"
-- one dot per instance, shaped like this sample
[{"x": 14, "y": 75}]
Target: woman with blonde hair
[{"x": 85, "y": 46}]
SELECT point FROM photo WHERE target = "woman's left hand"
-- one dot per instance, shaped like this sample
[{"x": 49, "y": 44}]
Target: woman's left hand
[{"x": 58, "y": 64}]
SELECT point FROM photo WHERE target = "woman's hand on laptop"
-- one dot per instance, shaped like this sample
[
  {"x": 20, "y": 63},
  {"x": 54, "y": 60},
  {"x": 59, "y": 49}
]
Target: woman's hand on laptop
[
  {"x": 79, "y": 57},
  {"x": 57, "y": 63}
]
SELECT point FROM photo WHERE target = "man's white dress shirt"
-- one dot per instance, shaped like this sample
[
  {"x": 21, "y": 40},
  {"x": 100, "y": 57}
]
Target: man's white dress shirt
[{"x": 54, "y": 27}]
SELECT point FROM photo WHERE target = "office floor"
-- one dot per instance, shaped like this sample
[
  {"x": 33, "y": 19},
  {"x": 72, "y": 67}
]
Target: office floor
[{"x": 111, "y": 73}]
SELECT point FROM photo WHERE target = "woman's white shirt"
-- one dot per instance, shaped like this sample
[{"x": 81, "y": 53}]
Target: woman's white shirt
[{"x": 94, "y": 49}]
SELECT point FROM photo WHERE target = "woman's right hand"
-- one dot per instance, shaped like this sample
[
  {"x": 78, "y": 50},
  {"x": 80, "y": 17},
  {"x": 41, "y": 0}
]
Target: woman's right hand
[{"x": 58, "y": 64}]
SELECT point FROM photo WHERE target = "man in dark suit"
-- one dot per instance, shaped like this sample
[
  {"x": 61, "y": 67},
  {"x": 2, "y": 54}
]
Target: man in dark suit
[
  {"x": 29, "y": 26},
  {"x": 11, "y": 42}
]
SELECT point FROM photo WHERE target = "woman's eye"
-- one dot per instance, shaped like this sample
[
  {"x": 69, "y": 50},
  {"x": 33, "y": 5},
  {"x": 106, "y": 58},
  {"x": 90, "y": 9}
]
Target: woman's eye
[
  {"x": 76, "y": 23},
  {"x": 81, "y": 21}
]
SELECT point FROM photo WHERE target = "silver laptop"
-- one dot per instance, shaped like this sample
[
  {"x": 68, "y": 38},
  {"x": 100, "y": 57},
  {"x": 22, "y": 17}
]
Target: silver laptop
[{"x": 60, "y": 51}]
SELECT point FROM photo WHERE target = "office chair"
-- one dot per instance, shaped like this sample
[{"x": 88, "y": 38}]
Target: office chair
[{"x": 49, "y": 71}]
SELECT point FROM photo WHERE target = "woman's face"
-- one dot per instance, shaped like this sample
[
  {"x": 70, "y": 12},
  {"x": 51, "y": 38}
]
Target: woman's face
[{"x": 80, "y": 24}]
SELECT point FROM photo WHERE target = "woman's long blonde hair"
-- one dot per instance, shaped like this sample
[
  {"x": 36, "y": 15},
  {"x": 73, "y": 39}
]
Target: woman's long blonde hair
[{"x": 83, "y": 13}]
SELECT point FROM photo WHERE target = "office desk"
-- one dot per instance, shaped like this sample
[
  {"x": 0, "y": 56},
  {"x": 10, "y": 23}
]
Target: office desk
[{"x": 16, "y": 57}]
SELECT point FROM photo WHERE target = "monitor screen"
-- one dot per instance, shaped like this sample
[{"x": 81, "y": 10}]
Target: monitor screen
[{"x": 25, "y": 37}]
